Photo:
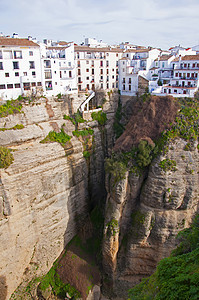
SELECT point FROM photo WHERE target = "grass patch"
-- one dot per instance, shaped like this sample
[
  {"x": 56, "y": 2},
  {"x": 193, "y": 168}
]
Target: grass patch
[
  {"x": 16, "y": 127},
  {"x": 168, "y": 165},
  {"x": 10, "y": 107},
  {"x": 61, "y": 137},
  {"x": 59, "y": 288},
  {"x": 69, "y": 118},
  {"x": 6, "y": 157}
]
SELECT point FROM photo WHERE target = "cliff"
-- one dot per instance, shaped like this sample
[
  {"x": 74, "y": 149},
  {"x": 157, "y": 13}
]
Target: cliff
[
  {"x": 48, "y": 191},
  {"x": 152, "y": 195}
]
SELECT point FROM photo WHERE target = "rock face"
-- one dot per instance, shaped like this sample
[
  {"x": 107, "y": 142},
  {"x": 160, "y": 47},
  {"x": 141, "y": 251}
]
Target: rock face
[
  {"x": 149, "y": 210},
  {"x": 45, "y": 194}
]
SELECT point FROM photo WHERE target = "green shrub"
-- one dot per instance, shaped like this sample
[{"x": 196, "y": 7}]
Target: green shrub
[
  {"x": 100, "y": 117},
  {"x": 11, "y": 107},
  {"x": 86, "y": 154},
  {"x": 176, "y": 277},
  {"x": 59, "y": 96},
  {"x": 59, "y": 288},
  {"x": 84, "y": 132},
  {"x": 78, "y": 118},
  {"x": 112, "y": 227},
  {"x": 6, "y": 157},
  {"x": 60, "y": 137},
  {"x": 145, "y": 154},
  {"x": 70, "y": 119},
  {"x": 168, "y": 165},
  {"x": 116, "y": 168},
  {"x": 117, "y": 126}
]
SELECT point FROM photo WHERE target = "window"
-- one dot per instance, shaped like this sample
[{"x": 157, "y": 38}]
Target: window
[
  {"x": 176, "y": 74},
  {"x": 101, "y": 77},
  {"x": 194, "y": 65},
  {"x": 123, "y": 70},
  {"x": 93, "y": 71},
  {"x": 92, "y": 63},
  {"x": 24, "y": 73},
  {"x": 87, "y": 78},
  {"x": 113, "y": 70},
  {"x": 112, "y": 85},
  {"x": 107, "y": 63},
  {"x": 32, "y": 64},
  {"x": 16, "y": 74},
  {"x": 55, "y": 72},
  {"x": 7, "y": 75},
  {"x": 1, "y": 54},
  {"x": 2, "y": 86},
  {"x": 9, "y": 86},
  {"x": 17, "y": 85},
  {"x": 116, "y": 77},
  {"x": 165, "y": 91},
  {"x": 129, "y": 80},
  {"x": 101, "y": 63},
  {"x": 116, "y": 63},
  {"x": 123, "y": 87},
  {"x": 107, "y": 78},
  {"x": 48, "y": 74},
  {"x": 17, "y": 54},
  {"x": 101, "y": 85},
  {"x": 113, "y": 77},
  {"x": 79, "y": 72},
  {"x": 101, "y": 71},
  {"x": 107, "y": 86},
  {"x": 55, "y": 83},
  {"x": 116, "y": 85},
  {"x": 7, "y": 55},
  {"x": 107, "y": 71},
  {"x": 30, "y": 53},
  {"x": 33, "y": 83},
  {"x": 185, "y": 65},
  {"x": 175, "y": 91},
  {"x": 188, "y": 74},
  {"x": 69, "y": 64},
  {"x": 79, "y": 80},
  {"x": 180, "y": 74},
  {"x": 123, "y": 80},
  {"x": 38, "y": 83},
  {"x": 1, "y": 66},
  {"x": 70, "y": 74},
  {"x": 33, "y": 73},
  {"x": 129, "y": 87},
  {"x": 87, "y": 70}
]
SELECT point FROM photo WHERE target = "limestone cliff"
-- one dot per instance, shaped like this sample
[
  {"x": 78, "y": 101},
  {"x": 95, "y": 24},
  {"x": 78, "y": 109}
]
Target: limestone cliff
[
  {"x": 45, "y": 195},
  {"x": 145, "y": 210}
]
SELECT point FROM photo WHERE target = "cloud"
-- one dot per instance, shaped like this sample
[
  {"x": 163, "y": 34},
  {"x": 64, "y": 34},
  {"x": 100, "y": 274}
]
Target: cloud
[{"x": 148, "y": 22}]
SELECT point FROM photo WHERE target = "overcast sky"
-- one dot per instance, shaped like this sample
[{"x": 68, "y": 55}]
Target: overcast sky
[{"x": 158, "y": 23}]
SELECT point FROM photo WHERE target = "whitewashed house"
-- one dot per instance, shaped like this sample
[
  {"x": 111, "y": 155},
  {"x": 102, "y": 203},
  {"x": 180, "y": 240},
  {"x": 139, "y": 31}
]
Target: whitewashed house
[
  {"x": 97, "y": 68},
  {"x": 20, "y": 67},
  {"x": 58, "y": 67},
  {"x": 134, "y": 69}
]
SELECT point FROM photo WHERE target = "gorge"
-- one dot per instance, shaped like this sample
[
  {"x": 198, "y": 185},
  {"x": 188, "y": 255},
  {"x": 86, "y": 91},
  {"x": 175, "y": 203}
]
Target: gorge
[{"x": 48, "y": 193}]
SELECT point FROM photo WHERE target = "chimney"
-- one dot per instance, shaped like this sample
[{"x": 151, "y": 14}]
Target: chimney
[{"x": 15, "y": 36}]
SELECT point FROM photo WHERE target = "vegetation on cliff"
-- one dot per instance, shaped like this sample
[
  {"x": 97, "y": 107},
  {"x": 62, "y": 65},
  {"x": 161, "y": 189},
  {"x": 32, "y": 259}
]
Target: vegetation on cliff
[
  {"x": 10, "y": 107},
  {"x": 176, "y": 277},
  {"x": 6, "y": 157},
  {"x": 60, "y": 137},
  {"x": 100, "y": 117},
  {"x": 147, "y": 143}
]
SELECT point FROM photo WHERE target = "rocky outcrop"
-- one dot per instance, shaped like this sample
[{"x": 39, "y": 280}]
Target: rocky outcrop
[
  {"x": 45, "y": 195},
  {"x": 150, "y": 209}
]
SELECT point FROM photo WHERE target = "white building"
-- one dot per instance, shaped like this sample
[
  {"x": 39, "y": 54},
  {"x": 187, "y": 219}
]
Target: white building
[
  {"x": 97, "y": 67},
  {"x": 58, "y": 67},
  {"x": 20, "y": 67},
  {"x": 185, "y": 77},
  {"x": 134, "y": 67}
]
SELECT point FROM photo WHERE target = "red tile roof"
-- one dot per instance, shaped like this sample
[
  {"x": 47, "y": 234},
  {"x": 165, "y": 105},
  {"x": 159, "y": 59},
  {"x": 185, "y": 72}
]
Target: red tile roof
[
  {"x": 17, "y": 42},
  {"x": 97, "y": 49}
]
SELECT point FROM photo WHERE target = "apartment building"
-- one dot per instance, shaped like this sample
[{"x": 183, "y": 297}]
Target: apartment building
[
  {"x": 97, "y": 67},
  {"x": 58, "y": 68},
  {"x": 20, "y": 67},
  {"x": 185, "y": 76},
  {"x": 134, "y": 69}
]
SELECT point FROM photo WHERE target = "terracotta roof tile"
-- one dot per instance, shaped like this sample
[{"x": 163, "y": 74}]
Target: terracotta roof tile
[
  {"x": 17, "y": 42},
  {"x": 90, "y": 49}
]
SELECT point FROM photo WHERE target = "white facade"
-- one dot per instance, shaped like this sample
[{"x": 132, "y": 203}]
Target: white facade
[
  {"x": 135, "y": 63},
  {"x": 27, "y": 68},
  {"x": 97, "y": 67},
  {"x": 20, "y": 67},
  {"x": 184, "y": 75}
]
